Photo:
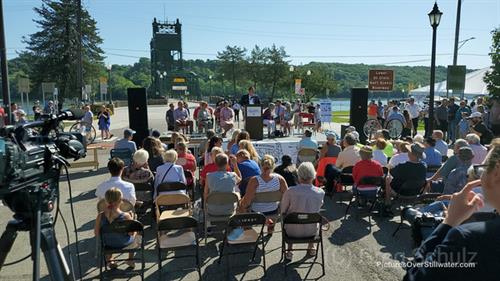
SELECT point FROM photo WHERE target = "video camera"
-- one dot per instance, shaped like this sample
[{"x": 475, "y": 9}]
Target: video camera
[{"x": 31, "y": 155}]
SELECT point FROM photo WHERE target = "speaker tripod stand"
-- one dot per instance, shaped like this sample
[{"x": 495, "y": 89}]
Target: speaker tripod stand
[{"x": 42, "y": 235}]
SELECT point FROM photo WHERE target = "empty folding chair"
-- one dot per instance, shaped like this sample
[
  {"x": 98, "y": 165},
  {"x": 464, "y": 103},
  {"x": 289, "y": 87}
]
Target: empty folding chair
[
  {"x": 244, "y": 230},
  {"x": 122, "y": 227},
  {"x": 169, "y": 206},
  {"x": 174, "y": 234},
  {"x": 218, "y": 199},
  {"x": 303, "y": 219}
]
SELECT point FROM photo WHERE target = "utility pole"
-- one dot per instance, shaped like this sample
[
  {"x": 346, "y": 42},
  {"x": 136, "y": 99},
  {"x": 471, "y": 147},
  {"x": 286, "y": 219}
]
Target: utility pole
[
  {"x": 457, "y": 32},
  {"x": 3, "y": 65},
  {"x": 79, "y": 70}
]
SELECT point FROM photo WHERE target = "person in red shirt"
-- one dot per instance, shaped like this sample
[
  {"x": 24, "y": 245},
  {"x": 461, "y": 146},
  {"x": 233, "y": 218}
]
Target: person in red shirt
[
  {"x": 366, "y": 168},
  {"x": 210, "y": 168},
  {"x": 372, "y": 110}
]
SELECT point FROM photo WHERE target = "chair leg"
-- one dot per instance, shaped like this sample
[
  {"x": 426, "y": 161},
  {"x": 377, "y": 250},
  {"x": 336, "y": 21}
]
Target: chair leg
[
  {"x": 101, "y": 260},
  {"x": 221, "y": 251},
  {"x": 264, "y": 255},
  {"x": 348, "y": 206},
  {"x": 159, "y": 262},
  {"x": 198, "y": 259},
  {"x": 322, "y": 256}
]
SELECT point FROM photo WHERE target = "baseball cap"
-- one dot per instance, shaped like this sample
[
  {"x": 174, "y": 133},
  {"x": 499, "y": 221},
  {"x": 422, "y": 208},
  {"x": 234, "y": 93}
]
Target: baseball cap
[
  {"x": 350, "y": 129},
  {"x": 128, "y": 132},
  {"x": 416, "y": 149},
  {"x": 465, "y": 154},
  {"x": 330, "y": 135},
  {"x": 475, "y": 115}
]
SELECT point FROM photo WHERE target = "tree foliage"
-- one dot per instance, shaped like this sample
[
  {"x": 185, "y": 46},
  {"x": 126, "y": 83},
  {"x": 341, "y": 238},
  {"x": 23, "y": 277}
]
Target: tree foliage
[
  {"x": 54, "y": 46},
  {"x": 232, "y": 63},
  {"x": 492, "y": 78}
]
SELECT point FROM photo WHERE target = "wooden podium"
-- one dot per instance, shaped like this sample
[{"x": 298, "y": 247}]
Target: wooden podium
[{"x": 253, "y": 122}]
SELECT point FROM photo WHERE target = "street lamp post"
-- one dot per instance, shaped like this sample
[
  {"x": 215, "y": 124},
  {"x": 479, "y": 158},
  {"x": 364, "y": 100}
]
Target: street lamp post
[
  {"x": 109, "y": 84},
  {"x": 434, "y": 18},
  {"x": 211, "y": 89},
  {"x": 292, "y": 69}
]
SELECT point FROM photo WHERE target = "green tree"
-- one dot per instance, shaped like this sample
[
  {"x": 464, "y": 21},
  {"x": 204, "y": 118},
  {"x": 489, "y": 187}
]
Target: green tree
[
  {"x": 277, "y": 67},
  {"x": 232, "y": 61},
  {"x": 54, "y": 46},
  {"x": 492, "y": 78},
  {"x": 257, "y": 61},
  {"x": 317, "y": 82}
]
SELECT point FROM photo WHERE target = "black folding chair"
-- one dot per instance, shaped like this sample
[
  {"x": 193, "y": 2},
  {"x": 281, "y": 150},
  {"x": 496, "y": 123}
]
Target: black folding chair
[
  {"x": 123, "y": 153},
  {"x": 122, "y": 227},
  {"x": 192, "y": 182},
  {"x": 370, "y": 196},
  {"x": 249, "y": 237},
  {"x": 303, "y": 219},
  {"x": 169, "y": 239},
  {"x": 345, "y": 178},
  {"x": 147, "y": 188}
]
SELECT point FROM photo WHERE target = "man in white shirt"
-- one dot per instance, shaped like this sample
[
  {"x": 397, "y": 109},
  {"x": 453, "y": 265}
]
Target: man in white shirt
[
  {"x": 414, "y": 112},
  {"x": 115, "y": 167}
]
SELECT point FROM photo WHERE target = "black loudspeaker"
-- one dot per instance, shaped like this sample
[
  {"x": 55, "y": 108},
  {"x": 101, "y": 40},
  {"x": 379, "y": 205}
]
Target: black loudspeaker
[
  {"x": 359, "y": 110},
  {"x": 138, "y": 113}
]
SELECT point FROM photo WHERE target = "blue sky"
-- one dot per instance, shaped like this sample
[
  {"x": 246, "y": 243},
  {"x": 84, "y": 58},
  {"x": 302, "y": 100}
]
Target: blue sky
[{"x": 350, "y": 31}]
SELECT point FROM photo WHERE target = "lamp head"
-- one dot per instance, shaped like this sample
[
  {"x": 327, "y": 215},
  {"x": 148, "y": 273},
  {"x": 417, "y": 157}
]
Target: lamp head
[{"x": 435, "y": 16}]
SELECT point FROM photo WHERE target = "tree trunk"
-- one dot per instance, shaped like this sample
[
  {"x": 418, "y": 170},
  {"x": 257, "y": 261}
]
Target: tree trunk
[{"x": 234, "y": 79}]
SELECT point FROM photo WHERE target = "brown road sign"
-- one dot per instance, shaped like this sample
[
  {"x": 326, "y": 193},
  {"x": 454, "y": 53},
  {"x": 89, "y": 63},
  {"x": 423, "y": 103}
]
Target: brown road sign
[{"x": 381, "y": 80}]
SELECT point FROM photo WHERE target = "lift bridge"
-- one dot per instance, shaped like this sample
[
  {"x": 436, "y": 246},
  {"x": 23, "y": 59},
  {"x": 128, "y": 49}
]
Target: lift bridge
[{"x": 169, "y": 78}]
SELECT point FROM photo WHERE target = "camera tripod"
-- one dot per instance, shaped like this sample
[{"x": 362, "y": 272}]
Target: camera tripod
[{"x": 42, "y": 236}]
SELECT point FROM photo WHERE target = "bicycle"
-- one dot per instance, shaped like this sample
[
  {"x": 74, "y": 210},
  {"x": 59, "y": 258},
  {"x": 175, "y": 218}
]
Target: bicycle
[
  {"x": 86, "y": 129},
  {"x": 394, "y": 126}
]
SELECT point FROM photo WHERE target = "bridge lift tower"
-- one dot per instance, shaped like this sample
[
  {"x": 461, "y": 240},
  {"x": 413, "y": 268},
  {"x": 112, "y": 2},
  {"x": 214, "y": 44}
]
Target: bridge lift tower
[{"x": 168, "y": 76}]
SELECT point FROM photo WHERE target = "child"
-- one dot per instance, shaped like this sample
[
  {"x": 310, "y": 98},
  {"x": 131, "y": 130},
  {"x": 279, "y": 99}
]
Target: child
[
  {"x": 113, "y": 199},
  {"x": 463, "y": 125}
]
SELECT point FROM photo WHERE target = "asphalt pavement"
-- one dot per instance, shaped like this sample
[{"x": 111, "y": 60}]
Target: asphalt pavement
[{"x": 353, "y": 249}]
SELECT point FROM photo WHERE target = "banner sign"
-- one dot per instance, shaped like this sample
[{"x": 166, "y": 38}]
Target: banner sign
[
  {"x": 381, "y": 80},
  {"x": 103, "y": 88},
  {"x": 456, "y": 78},
  {"x": 23, "y": 85},
  {"x": 48, "y": 87},
  {"x": 298, "y": 86},
  {"x": 325, "y": 111},
  {"x": 277, "y": 149}
]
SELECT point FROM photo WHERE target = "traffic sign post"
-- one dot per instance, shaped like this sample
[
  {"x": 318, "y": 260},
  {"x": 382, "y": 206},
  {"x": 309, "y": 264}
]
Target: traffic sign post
[{"x": 456, "y": 79}]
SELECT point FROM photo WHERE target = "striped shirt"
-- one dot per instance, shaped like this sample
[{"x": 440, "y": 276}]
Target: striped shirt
[{"x": 272, "y": 185}]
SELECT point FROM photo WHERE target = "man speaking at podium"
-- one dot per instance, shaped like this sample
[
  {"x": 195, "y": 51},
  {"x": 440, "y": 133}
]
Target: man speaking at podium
[{"x": 249, "y": 99}]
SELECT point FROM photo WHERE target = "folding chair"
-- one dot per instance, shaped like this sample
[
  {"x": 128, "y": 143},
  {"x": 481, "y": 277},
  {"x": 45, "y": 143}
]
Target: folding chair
[
  {"x": 218, "y": 198},
  {"x": 309, "y": 123},
  {"x": 303, "y": 219},
  {"x": 147, "y": 188},
  {"x": 123, "y": 227},
  {"x": 125, "y": 206},
  {"x": 270, "y": 197},
  {"x": 177, "y": 234},
  {"x": 249, "y": 237},
  {"x": 409, "y": 192},
  {"x": 169, "y": 206},
  {"x": 307, "y": 155},
  {"x": 420, "y": 199},
  {"x": 123, "y": 153},
  {"x": 369, "y": 193},
  {"x": 431, "y": 170}
]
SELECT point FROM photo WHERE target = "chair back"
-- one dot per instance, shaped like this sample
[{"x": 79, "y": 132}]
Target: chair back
[
  {"x": 412, "y": 187},
  {"x": 172, "y": 199},
  {"x": 125, "y": 206},
  {"x": 302, "y": 218},
  {"x": 222, "y": 198},
  {"x": 433, "y": 169},
  {"x": 268, "y": 197},
  {"x": 171, "y": 186},
  {"x": 143, "y": 186},
  {"x": 177, "y": 223},
  {"x": 307, "y": 155},
  {"x": 346, "y": 176},
  {"x": 123, "y": 226},
  {"x": 247, "y": 219},
  {"x": 374, "y": 181},
  {"x": 123, "y": 153}
]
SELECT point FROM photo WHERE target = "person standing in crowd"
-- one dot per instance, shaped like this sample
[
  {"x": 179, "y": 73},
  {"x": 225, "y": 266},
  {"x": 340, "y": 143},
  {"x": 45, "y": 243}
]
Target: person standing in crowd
[
  {"x": 441, "y": 116},
  {"x": 37, "y": 110},
  {"x": 479, "y": 102},
  {"x": 50, "y": 108},
  {"x": 297, "y": 109},
  {"x": 169, "y": 117},
  {"x": 424, "y": 113},
  {"x": 452, "y": 124},
  {"x": 476, "y": 243},
  {"x": 380, "y": 112},
  {"x": 236, "y": 109},
  {"x": 127, "y": 142},
  {"x": 103, "y": 123},
  {"x": 87, "y": 120},
  {"x": 414, "y": 111},
  {"x": 226, "y": 118},
  {"x": 461, "y": 111},
  {"x": 317, "y": 118},
  {"x": 477, "y": 127},
  {"x": 407, "y": 125},
  {"x": 464, "y": 125},
  {"x": 372, "y": 110}
]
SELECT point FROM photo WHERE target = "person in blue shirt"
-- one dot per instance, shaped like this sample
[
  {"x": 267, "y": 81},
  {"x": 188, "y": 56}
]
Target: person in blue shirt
[
  {"x": 396, "y": 115},
  {"x": 307, "y": 141},
  {"x": 248, "y": 169},
  {"x": 127, "y": 142},
  {"x": 462, "y": 109},
  {"x": 432, "y": 155}
]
